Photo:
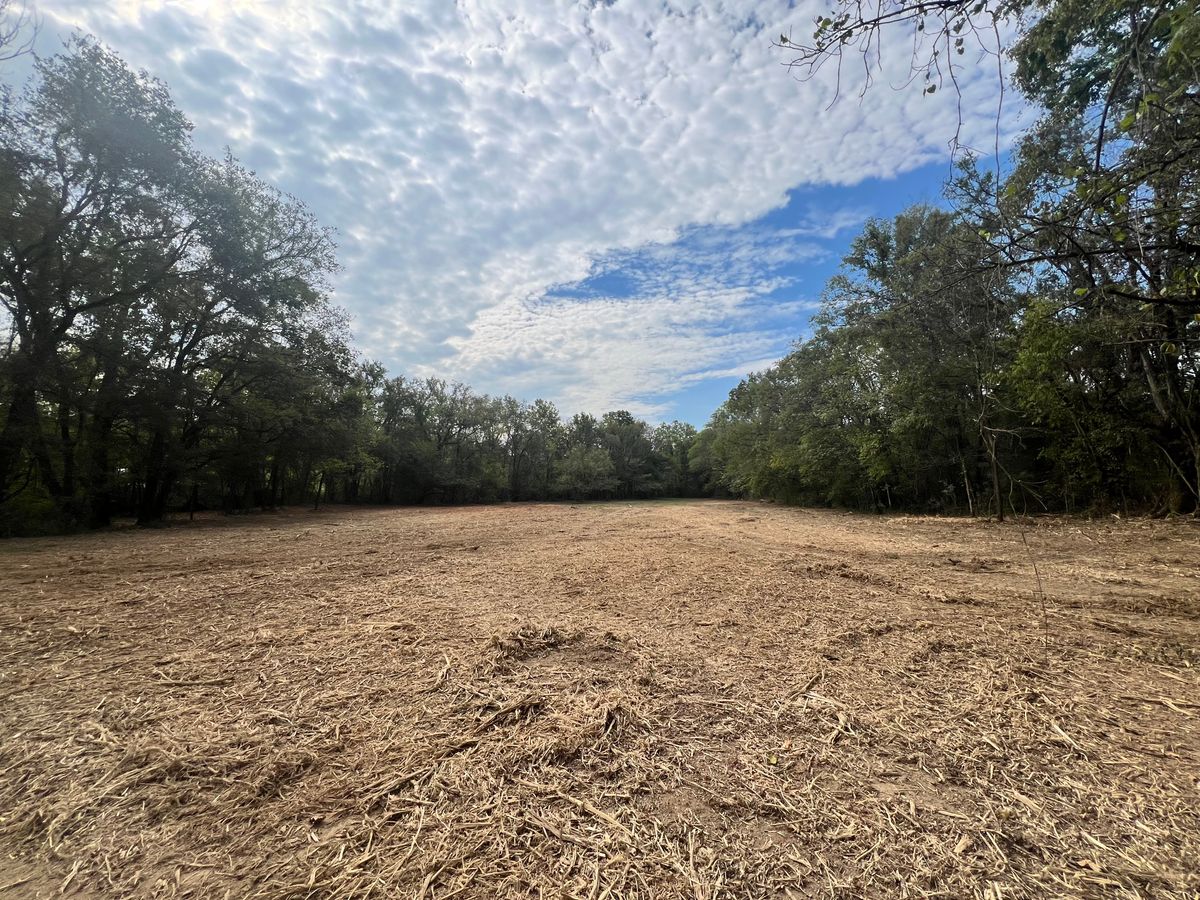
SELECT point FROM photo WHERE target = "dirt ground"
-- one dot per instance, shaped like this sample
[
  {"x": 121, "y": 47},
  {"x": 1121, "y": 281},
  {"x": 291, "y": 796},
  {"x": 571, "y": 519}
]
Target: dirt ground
[{"x": 696, "y": 700}]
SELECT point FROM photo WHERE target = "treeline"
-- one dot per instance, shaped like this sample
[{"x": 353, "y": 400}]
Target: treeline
[
  {"x": 1037, "y": 345},
  {"x": 170, "y": 343},
  {"x": 434, "y": 442}
]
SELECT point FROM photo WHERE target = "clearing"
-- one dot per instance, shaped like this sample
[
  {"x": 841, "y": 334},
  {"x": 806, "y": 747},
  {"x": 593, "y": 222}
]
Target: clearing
[{"x": 696, "y": 700}]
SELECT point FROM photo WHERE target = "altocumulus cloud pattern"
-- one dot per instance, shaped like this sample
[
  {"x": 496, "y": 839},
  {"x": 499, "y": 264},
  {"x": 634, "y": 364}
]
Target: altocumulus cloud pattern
[{"x": 542, "y": 197}]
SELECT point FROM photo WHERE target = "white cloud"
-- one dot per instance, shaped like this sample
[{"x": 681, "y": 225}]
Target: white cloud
[
  {"x": 474, "y": 154},
  {"x": 685, "y": 311}
]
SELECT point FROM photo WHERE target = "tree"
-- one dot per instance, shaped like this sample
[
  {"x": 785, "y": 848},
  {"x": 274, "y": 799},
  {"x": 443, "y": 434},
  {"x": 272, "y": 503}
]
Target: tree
[
  {"x": 629, "y": 448},
  {"x": 1096, "y": 218},
  {"x": 546, "y": 443},
  {"x": 1072, "y": 377},
  {"x": 1104, "y": 189},
  {"x": 586, "y": 473},
  {"x": 939, "y": 326},
  {"x": 672, "y": 443},
  {"x": 91, "y": 163},
  {"x": 152, "y": 295},
  {"x": 896, "y": 399}
]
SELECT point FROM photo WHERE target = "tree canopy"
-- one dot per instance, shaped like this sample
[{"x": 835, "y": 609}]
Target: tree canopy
[
  {"x": 170, "y": 341},
  {"x": 1034, "y": 345}
]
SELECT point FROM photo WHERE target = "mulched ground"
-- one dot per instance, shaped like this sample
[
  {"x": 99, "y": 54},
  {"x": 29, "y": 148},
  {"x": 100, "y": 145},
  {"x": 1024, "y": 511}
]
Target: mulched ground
[{"x": 697, "y": 700}]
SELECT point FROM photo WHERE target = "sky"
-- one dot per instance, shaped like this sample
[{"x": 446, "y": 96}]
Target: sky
[{"x": 606, "y": 203}]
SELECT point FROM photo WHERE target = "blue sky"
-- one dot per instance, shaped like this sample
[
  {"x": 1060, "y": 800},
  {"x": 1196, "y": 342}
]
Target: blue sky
[
  {"x": 782, "y": 314},
  {"x": 618, "y": 204}
]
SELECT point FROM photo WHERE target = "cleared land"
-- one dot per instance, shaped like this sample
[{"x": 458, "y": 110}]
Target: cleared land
[{"x": 690, "y": 700}]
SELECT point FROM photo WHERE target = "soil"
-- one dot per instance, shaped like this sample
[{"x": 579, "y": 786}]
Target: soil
[{"x": 671, "y": 699}]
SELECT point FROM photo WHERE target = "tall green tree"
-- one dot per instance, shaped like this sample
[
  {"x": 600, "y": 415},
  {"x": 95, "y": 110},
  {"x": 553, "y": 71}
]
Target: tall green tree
[{"x": 150, "y": 292}]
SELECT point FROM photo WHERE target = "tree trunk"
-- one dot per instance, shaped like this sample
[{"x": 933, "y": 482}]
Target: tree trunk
[
  {"x": 966, "y": 483},
  {"x": 157, "y": 483},
  {"x": 22, "y": 434},
  {"x": 274, "y": 495},
  {"x": 990, "y": 441},
  {"x": 99, "y": 483}
]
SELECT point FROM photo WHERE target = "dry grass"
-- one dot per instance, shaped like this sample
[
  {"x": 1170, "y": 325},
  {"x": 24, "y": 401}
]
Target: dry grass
[{"x": 654, "y": 700}]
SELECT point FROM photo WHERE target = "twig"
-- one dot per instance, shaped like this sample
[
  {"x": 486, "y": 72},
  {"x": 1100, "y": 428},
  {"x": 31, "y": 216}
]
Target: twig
[{"x": 1041, "y": 593}]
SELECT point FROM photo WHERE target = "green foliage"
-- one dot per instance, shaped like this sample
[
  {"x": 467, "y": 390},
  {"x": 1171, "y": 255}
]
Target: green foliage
[
  {"x": 1037, "y": 347},
  {"x": 934, "y": 381},
  {"x": 893, "y": 398},
  {"x": 172, "y": 346},
  {"x": 587, "y": 473},
  {"x": 1077, "y": 382}
]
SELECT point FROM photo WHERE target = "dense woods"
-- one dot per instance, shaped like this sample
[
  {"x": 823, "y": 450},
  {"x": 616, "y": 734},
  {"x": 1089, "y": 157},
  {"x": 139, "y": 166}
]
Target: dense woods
[
  {"x": 1032, "y": 344},
  {"x": 171, "y": 344}
]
